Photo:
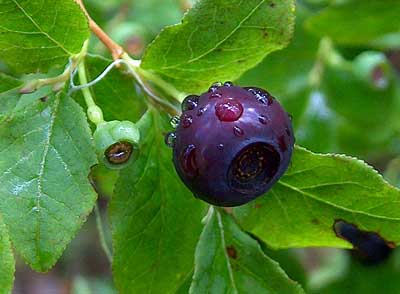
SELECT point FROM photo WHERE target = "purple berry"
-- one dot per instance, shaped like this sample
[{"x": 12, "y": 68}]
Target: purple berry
[{"x": 233, "y": 145}]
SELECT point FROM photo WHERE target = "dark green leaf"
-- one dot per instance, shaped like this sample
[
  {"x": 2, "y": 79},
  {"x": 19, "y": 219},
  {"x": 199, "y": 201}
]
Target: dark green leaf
[
  {"x": 116, "y": 94},
  {"x": 315, "y": 192},
  {"x": 230, "y": 261},
  {"x": 219, "y": 40},
  {"x": 39, "y": 34},
  {"x": 357, "y": 278},
  {"x": 45, "y": 195},
  {"x": 7, "y": 263},
  {"x": 357, "y": 22},
  {"x": 155, "y": 220}
]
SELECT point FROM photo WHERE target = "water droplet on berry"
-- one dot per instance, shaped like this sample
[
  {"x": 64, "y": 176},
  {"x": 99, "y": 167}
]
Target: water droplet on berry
[
  {"x": 215, "y": 96},
  {"x": 187, "y": 121},
  {"x": 262, "y": 99},
  {"x": 228, "y": 84},
  {"x": 175, "y": 120},
  {"x": 201, "y": 111},
  {"x": 190, "y": 102},
  {"x": 220, "y": 146},
  {"x": 238, "y": 131},
  {"x": 119, "y": 152},
  {"x": 214, "y": 87},
  {"x": 170, "y": 139},
  {"x": 229, "y": 110},
  {"x": 263, "y": 119},
  {"x": 188, "y": 161}
]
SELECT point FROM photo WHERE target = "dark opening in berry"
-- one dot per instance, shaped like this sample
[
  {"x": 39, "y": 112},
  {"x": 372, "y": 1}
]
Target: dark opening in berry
[
  {"x": 232, "y": 145},
  {"x": 119, "y": 153}
]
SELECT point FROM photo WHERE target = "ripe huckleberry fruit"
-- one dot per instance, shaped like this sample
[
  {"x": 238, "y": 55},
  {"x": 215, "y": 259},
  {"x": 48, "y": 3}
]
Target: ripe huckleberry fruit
[{"x": 231, "y": 144}]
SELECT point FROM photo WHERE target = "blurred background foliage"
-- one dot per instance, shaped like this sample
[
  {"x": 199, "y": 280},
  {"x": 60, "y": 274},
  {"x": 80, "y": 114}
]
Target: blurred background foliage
[{"x": 339, "y": 79}]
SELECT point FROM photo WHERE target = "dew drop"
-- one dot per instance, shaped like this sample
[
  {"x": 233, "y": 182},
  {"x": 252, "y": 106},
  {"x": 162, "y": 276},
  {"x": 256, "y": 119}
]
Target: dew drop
[
  {"x": 214, "y": 87},
  {"x": 238, "y": 131},
  {"x": 228, "y": 84},
  {"x": 263, "y": 119},
  {"x": 35, "y": 209},
  {"x": 187, "y": 121},
  {"x": 188, "y": 161},
  {"x": 190, "y": 102},
  {"x": 228, "y": 110},
  {"x": 170, "y": 139},
  {"x": 175, "y": 120},
  {"x": 215, "y": 96},
  {"x": 220, "y": 147},
  {"x": 201, "y": 111}
]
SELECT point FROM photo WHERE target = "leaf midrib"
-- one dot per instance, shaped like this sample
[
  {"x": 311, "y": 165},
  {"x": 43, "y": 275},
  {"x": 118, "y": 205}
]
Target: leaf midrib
[
  {"x": 340, "y": 207},
  {"x": 41, "y": 174}
]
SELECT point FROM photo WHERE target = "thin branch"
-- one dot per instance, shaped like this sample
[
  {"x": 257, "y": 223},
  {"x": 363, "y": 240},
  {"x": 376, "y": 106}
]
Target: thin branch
[
  {"x": 116, "y": 50},
  {"x": 100, "y": 230}
]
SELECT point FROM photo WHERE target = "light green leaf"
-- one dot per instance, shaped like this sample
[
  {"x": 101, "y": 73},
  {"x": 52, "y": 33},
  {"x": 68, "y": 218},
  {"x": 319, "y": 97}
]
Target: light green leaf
[
  {"x": 219, "y": 40},
  {"x": 38, "y": 34},
  {"x": 357, "y": 22},
  {"x": 317, "y": 190},
  {"x": 155, "y": 220},
  {"x": 7, "y": 83},
  {"x": 285, "y": 71},
  {"x": 230, "y": 261},
  {"x": 46, "y": 152},
  {"x": 7, "y": 263}
]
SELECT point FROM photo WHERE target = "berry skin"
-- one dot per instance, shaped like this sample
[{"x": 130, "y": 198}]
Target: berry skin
[
  {"x": 231, "y": 144},
  {"x": 369, "y": 247}
]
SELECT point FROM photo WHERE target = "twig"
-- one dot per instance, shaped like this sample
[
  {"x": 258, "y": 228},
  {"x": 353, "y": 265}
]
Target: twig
[
  {"x": 102, "y": 238},
  {"x": 116, "y": 50}
]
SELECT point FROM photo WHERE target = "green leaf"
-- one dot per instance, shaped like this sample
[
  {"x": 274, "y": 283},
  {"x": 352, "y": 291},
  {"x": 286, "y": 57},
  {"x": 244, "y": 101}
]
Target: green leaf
[
  {"x": 9, "y": 95},
  {"x": 39, "y": 34},
  {"x": 315, "y": 192},
  {"x": 357, "y": 278},
  {"x": 357, "y": 22},
  {"x": 7, "y": 83},
  {"x": 7, "y": 263},
  {"x": 45, "y": 196},
  {"x": 115, "y": 94},
  {"x": 155, "y": 219},
  {"x": 230, "y": 261},
  {"x": 283, "y": 72},
  {"x": 219, "y": 40}
]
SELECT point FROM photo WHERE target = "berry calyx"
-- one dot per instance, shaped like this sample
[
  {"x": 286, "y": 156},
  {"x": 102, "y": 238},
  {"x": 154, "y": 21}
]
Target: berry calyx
[
  {"x": 231, "y": 144},
  {"x": 115, "y": 142}
]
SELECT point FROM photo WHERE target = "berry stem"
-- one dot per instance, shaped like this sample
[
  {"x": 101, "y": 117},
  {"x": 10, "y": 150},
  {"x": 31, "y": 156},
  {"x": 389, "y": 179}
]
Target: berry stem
[
  {"x": 326, "y": 55},
  {"x": 100, "y": 229},
  {"x": 116, "y": 50},
  {"x": 94, "y": 112},
  {"x": 59, "y": 80},
  {"x": 167, "y": 87}
]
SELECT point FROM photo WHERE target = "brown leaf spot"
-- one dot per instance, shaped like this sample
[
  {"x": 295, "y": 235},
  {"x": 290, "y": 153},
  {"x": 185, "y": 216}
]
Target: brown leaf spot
[
  {"x": 231, "y": 252},
  {"x": 315, "y": 221}
]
